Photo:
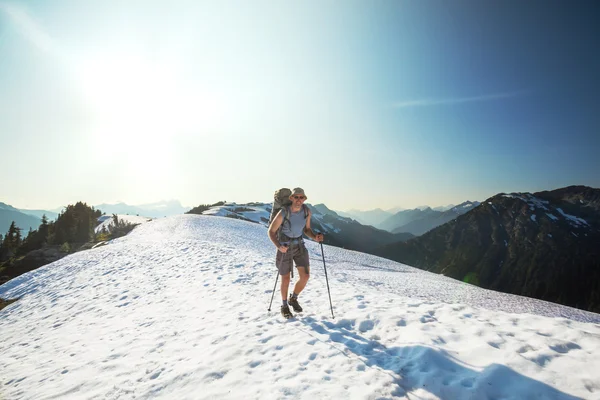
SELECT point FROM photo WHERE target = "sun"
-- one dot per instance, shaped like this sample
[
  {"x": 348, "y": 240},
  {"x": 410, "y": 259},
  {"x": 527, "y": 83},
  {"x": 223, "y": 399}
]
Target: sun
[
  {"x": 128, "y": 97},
  {"x": 140, "y": 108}
]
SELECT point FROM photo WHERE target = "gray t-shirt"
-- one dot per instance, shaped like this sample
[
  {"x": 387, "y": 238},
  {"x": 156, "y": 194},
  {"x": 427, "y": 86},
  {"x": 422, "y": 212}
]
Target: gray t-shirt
[{"x": 295, "y": 227}]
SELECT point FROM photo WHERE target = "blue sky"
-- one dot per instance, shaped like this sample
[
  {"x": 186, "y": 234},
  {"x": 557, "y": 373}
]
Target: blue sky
[{"x": 365, "y": 105}]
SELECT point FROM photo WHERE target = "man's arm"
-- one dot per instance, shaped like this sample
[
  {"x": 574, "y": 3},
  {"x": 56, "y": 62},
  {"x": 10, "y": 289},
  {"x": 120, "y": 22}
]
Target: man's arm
[
  {"x": 309, "y": 232},
  {"x": 274, "y": 227}
]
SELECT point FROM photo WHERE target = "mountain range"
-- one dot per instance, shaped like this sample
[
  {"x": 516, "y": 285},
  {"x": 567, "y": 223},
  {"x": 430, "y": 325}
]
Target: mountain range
[
  {"x": 371, "y": 217},
  {"x": 542, "y": 245},
  {"x": 154, "y": 210},
  {"x": 427, "y": 219},
  {"x": 422, "y": 219},
  {"x": 8, "y": 214},
  {"x": 26, "y": 219}
]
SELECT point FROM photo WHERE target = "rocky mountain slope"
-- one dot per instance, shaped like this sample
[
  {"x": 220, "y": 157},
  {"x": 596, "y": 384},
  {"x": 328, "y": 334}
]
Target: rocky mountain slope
[{"x": 543, "y": 245}]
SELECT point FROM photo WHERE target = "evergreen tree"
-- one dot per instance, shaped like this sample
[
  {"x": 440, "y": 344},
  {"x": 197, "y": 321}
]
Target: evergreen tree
[
  {"x": 18, "y": 239},
  {"x": 43, "y": 230},
  {"x": 74, "y": 225},
  {"x": 10, "y": 241}
]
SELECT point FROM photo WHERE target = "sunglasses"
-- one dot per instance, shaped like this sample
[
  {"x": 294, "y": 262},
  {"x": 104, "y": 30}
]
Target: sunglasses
[{"x": 299, "y": 197}]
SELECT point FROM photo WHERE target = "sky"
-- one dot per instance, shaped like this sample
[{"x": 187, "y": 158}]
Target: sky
[{"x": 364, "y": 105}]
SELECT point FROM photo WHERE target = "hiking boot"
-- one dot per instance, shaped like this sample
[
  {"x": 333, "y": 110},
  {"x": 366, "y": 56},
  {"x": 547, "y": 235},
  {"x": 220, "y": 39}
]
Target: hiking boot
[
  {"x": 285, "y": 311},
  {"x": 294, "y": 303}
]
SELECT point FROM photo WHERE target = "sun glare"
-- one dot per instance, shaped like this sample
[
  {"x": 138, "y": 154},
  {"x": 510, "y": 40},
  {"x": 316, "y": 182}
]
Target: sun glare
[
  {"x": 139, "y": 108},
  {"x": 132, "y": 98}
]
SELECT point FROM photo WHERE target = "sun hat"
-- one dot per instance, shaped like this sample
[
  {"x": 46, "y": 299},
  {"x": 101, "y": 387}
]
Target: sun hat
[{"x": 298, "y": 191}]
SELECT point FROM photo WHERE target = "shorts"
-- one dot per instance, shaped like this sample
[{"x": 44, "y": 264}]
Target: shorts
[{"x": 297, "y": 253}]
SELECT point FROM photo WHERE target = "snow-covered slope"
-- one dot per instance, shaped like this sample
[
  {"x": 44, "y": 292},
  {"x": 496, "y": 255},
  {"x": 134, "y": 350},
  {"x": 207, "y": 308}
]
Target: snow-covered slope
[{"x": 177, "y": 309}]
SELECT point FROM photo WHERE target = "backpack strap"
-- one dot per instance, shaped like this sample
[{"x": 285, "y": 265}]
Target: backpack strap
[{"x": 286, "y": 217}]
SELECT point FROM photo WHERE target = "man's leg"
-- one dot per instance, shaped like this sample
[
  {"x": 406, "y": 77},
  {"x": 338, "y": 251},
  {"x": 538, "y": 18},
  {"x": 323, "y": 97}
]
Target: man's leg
[
  {"x": 303, "y": 262},
  {"x": 303, "y": 279},
  {"x": 285, "y": 284}
]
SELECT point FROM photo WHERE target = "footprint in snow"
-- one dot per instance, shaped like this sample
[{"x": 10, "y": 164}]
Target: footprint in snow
[
  {"x": 366, "y": 325},
  {"x": 156, "y": 374},
  {"x": 467, "y": 382},
  {"x": 525, "y": 349},
  {"x": 213, "y": 376},
  {"x": 564, "y": 348}
]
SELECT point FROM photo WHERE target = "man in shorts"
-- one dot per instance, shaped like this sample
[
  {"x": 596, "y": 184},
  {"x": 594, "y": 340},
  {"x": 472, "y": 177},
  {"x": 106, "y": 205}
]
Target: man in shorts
[{"x": 293, "y": 222}]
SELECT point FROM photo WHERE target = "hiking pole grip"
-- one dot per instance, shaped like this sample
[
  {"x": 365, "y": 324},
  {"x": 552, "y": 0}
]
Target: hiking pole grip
[{"x": 327, "y": 280}]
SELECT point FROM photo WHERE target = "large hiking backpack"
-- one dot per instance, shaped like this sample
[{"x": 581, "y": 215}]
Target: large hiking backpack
[{"x": 281, "y": 200}]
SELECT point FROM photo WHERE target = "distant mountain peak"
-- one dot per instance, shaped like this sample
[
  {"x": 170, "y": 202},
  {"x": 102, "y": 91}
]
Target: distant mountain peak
[{"x": 4, "y": 206}]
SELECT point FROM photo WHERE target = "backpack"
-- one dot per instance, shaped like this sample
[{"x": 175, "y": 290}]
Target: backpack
[{"x": 281, "y": 199}]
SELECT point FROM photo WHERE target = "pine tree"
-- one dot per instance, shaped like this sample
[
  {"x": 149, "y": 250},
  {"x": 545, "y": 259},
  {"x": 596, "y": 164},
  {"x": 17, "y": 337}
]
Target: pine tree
[
  {"x": 43, "y": 231},
  {"x": 18, "y": 239},
  {"x": 10, "y": 240}
]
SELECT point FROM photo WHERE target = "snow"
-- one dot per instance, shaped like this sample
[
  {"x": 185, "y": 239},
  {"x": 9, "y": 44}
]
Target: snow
[
  {"x": 535, "y": 202},
  {"x": 530, "y": 199},
  {"x": 103, "y": 218},
  {"x": 533, "y": 217},
  {"x": 257, "y": 214},
  {"x": 573, "y": 219},
  {"x": 549, "y": 235},
  {"x": 132, "y": 219},
  {"x": 552, "y": 216},
  {"x": 177, "y": 309}
]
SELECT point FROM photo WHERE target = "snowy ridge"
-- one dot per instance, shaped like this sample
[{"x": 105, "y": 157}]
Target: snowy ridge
[{"x": 177, "y": 310}]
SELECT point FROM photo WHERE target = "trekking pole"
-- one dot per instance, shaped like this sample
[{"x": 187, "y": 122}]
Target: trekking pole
[
  {"x": 327, "y": 280},
  {"x": 274, "y": 287}
]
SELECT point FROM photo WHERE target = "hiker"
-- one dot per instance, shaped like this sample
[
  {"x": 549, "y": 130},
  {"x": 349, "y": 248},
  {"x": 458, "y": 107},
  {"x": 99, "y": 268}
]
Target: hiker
[{"x": 291, "y": 249}]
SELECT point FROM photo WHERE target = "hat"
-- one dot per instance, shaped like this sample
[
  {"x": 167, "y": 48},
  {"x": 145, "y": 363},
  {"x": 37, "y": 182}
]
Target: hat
[{"x": 298, "y": 191}]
